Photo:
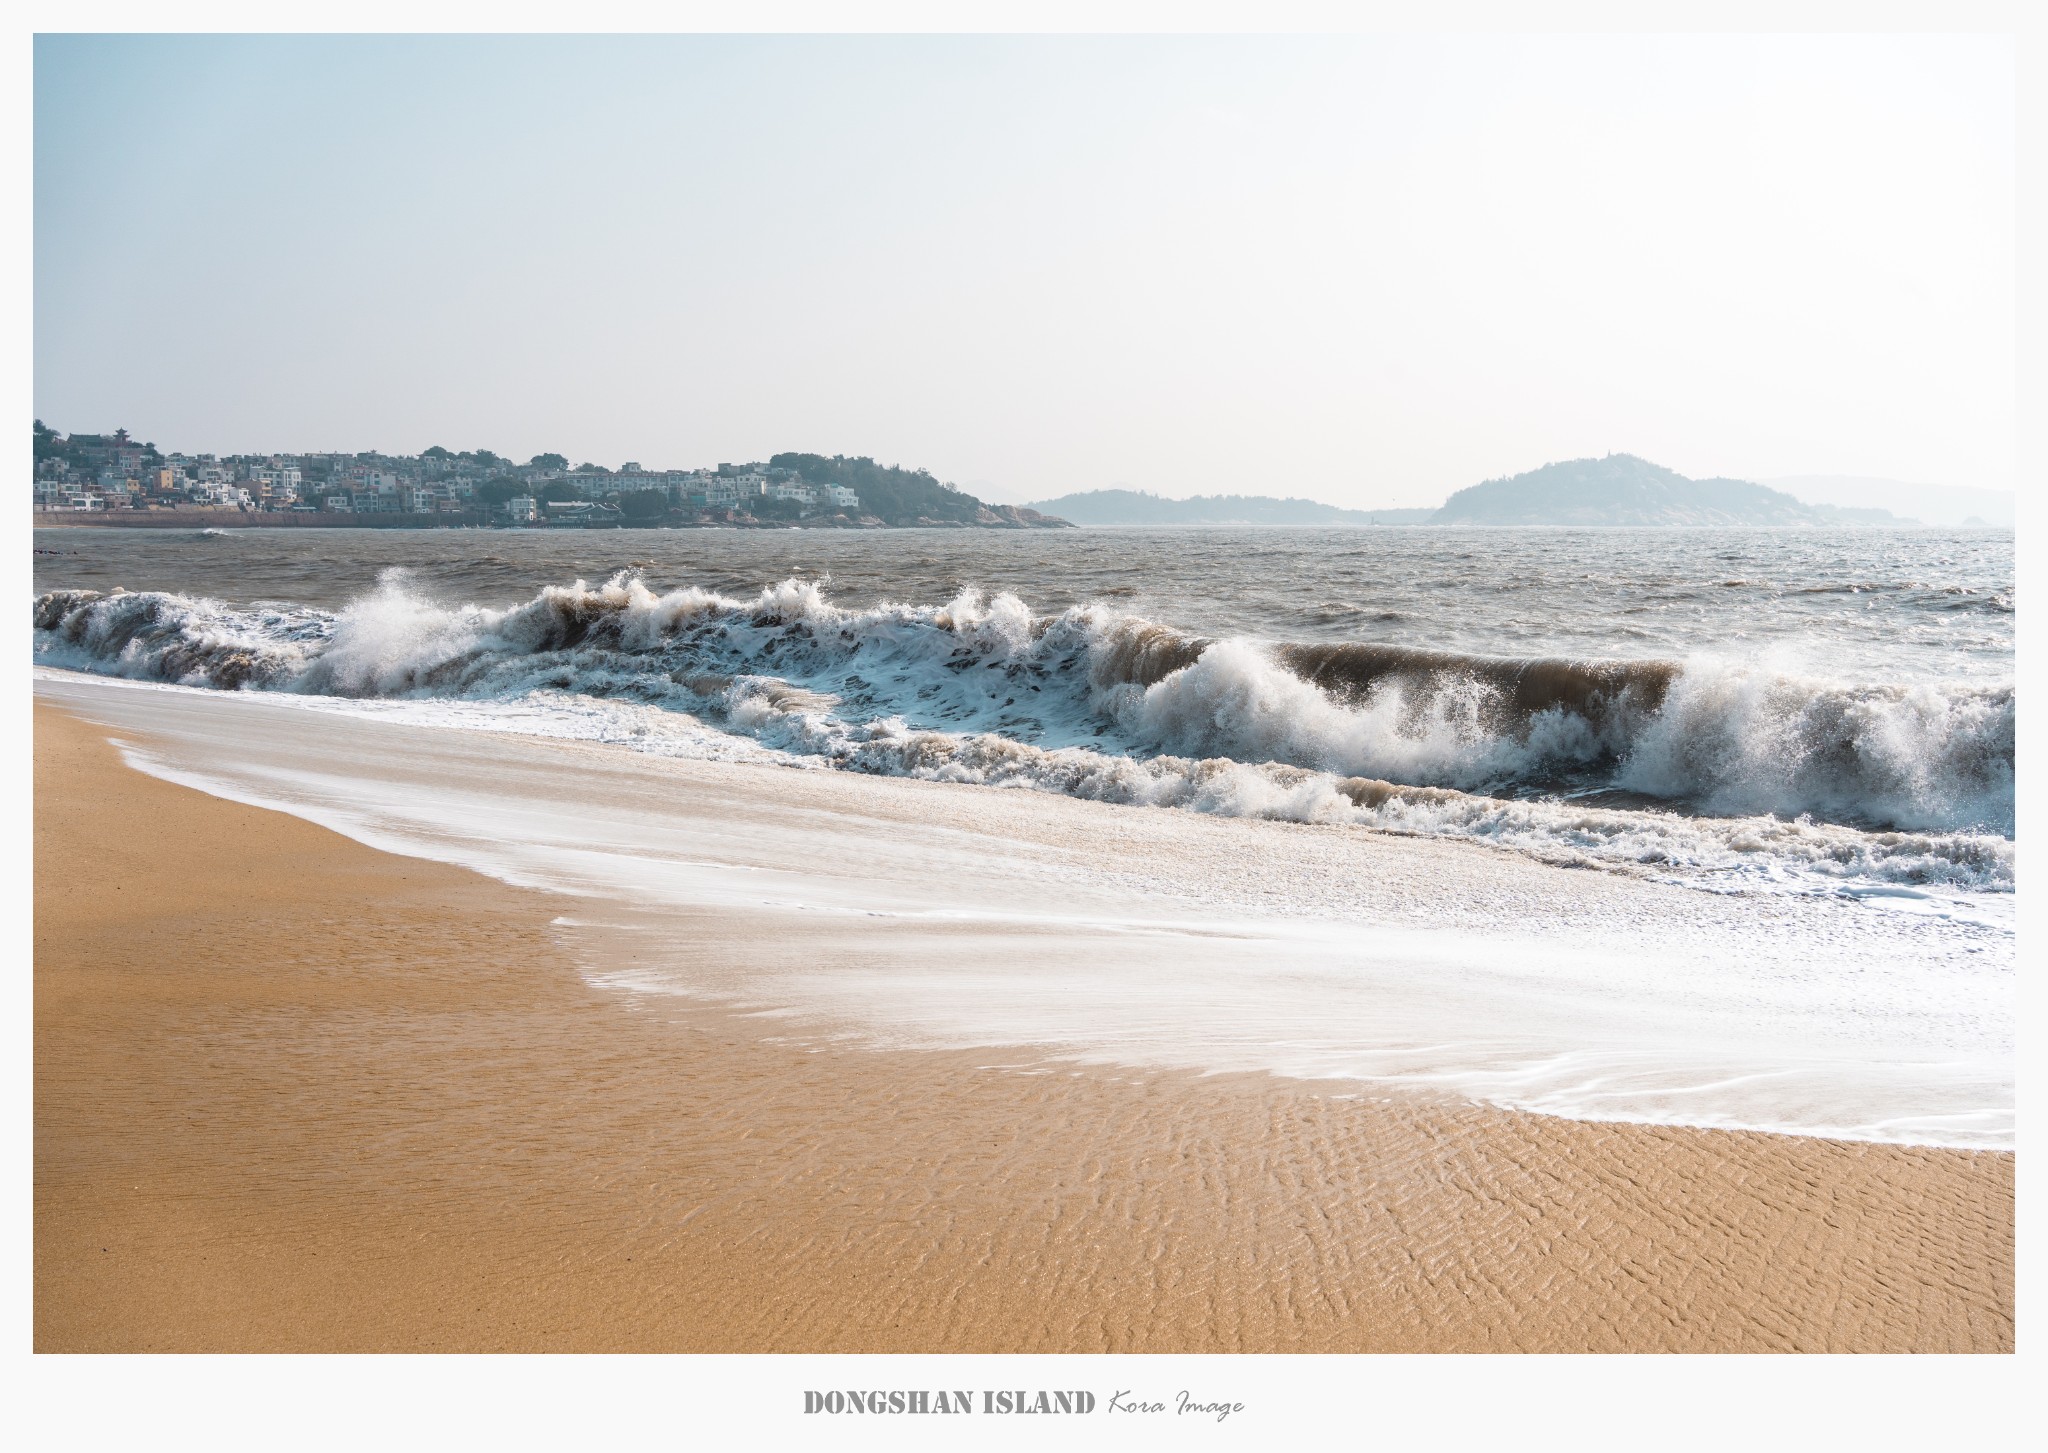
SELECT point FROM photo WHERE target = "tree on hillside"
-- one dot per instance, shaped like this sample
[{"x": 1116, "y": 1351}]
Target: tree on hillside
[
  {"x": 496, "y": 491},
  {"x": 547, "y": 461},
  {"x": 643, "y": 504},
  {"x": 898, "y": 496}
]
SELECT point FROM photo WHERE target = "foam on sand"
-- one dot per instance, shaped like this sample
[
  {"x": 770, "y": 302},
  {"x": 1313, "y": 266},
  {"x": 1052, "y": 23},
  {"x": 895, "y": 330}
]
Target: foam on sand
[{"x": 913, "y": 914}]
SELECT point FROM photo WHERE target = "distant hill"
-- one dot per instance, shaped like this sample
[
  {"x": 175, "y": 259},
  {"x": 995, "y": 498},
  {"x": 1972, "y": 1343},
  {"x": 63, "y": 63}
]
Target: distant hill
[
  {"x": 1103, "y": 507},
  {"x": 1937, "y": 504},
  {"x": 1621, "y": 489}
]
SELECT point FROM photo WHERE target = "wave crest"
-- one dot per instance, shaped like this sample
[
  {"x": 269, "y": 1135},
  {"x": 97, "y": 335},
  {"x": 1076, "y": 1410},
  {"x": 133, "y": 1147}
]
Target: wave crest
[{"x": 1097, "y": 703}]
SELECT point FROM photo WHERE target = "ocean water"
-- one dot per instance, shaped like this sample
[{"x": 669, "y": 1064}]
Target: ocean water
[
  {"x": 1708, "y": 828},
  {"x": 1755, "y": 710}
]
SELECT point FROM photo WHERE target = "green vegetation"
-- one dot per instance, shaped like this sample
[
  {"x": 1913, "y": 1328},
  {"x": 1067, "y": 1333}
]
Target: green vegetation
[
  {"x": 495, "y": 492},
  {"x": 87, "y": 452},
  {"x": 893, "y": 495}
]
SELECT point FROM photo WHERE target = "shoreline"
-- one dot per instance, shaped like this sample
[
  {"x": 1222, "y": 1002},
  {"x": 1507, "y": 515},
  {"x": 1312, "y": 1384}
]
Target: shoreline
[
  {"x": 268, "y": 520},
  {"x": 294, "y": 1093},
  {"x": 954, "y": 915}
]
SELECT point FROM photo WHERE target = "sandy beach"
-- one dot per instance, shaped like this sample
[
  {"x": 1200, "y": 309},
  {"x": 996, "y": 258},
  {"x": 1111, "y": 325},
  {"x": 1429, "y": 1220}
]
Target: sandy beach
[{"x": 295, "y": 1094}]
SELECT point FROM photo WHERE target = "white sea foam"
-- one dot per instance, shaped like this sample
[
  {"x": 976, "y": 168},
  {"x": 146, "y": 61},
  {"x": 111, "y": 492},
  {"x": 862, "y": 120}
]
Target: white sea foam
[
  {"x": 1710, "y": 771},
  {"x": 903, "y": 914}
]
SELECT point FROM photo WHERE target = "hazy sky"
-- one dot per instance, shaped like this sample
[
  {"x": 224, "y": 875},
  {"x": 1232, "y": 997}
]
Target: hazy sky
[{"x": 1369, "y": 270}]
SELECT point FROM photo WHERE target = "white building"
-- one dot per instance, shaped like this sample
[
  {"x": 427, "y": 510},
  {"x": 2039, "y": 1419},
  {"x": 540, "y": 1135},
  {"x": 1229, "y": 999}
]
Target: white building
[
  {"x": 840, "y": 495},
  {"x": 725, "y": 491},
  {"x": 523, "y": 509},
  {"x": 632, "y": 479},
  {"x": 590, "y": 485}
]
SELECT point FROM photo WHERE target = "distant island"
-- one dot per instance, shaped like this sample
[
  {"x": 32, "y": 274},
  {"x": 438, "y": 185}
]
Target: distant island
[
  {"x": 1621, "y": 489},
  {"x": 1617, "y": 489},
  {"x": 1105, "y": 507},
  {"x": 115, "y": 479},
  {"x": 1933, "y": 504}
]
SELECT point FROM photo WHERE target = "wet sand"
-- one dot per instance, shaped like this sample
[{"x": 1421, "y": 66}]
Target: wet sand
[{"x": 295, "y": 1094}]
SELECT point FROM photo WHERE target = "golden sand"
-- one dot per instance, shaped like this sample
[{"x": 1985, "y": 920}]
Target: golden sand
[{"x": 295, "y": 1094}]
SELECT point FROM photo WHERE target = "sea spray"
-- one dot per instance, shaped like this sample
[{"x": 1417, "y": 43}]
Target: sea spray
[{"x": 1709, "y": 770}]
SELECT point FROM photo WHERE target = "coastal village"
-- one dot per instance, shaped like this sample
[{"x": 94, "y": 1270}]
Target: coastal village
[{"x": 114, "y": 478}]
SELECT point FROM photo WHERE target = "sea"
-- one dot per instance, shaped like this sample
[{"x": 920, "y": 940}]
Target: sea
[{"x": 1813, "y": 729}]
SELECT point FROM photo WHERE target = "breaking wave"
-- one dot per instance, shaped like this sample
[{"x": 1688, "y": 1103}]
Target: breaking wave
[{"x": 1700, "y": 768}]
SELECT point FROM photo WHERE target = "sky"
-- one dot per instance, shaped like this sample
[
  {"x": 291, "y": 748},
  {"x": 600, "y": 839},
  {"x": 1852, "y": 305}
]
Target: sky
[{"x": 1367, "y": 270}]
